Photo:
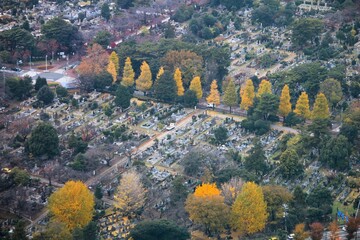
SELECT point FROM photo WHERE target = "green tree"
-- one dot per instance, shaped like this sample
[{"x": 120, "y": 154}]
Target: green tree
[
  {"x": 267, "y": 106},
  {"x": 19, "y": 88},
  {"x": 125, "y": 4},
  {"x": 108, "y": 111},
  {"x": 45, "y": 95},
  {"x": 19, "y": 232},
  {"x": 306, "y": 29},
  {"x": 221, "y": 135},
  {"x": 77, "y": 144},
  {"x": 122, "y": 97},
  {"x": 165, "y": 87},
  {"x": 332, "y": 90},
  {"x": 230, "y": 95},
  {"x": 248, "y": 213},
  {"x": 102, "y": 80},
  {"x": 158, "y": 230},
  {"x": 255, "y": 161},
  {"x": 128, "y": 74},
  {"x": 190, "y": 99},
  {"x": 178, "y": 191},
  {"x": 98, "y": 192},
  {"x": 103, "y": 38},
  {"x": 39, "y": 83},
  {"x": 105, "y": 11},
  {"x": 61, "y": 91},
  {"x": 43, "y": 141},
  {"x": 321, "y": 107},
  {"x": 91, "y": 231},
  {"x": 336, "y": 152},
  {"x": 289, "y": 164}
]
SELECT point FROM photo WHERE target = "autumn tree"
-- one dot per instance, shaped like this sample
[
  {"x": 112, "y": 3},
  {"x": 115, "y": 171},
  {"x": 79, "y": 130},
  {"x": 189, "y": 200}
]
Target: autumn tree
[
  {"x": 112, "y": 70},
  {"x": 73, "y": 204},
  {"x": 247, "y": 95},
  {"x": 230, "y": 95},
  {"x": 275, "y": 197},
  {"x": 95, "y": 61},
  {"x": 302, "y": 107},
  {"x": 206, "y": 207},
  {"x": 195, "y": 86},
  {"x": 285, "y": 104},
  {"x": 179, "y": 82},
  {"x": 317, "y": 230},
  {"x": 130, "y": 194},
  {"x": 231, "y": 189},
  {"x": 321, "y": 107},
  {"x": 115, "y": 59},
  {"x": 214, "y": 96},
  {"x": 128, "y": 74},
  {"x": 144, "y": 81},
  {"x": 300, "y": 233},
  {"x": 352, "y": 226},
  {"x": 248, "y": 213},
  {"x": 264, "y": 87},
  {"x": 332, "y": 90},
  {"x": 160, "y": 72},
  {"x": 333, "y": 228}
]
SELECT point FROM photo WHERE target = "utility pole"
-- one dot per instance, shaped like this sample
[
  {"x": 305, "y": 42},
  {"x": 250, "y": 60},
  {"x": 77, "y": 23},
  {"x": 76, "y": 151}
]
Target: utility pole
[{"x": 46, "y": 62}]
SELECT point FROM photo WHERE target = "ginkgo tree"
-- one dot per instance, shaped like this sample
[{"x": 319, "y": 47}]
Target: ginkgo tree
[
  {"x": 179, "y": 82},
  {"x": 144, "y": 81},
  {"x": 214, "y": 96},
  {"x": 321, "y": 107},
  {"x": 115, "y": 59},
  {"x": 112, "y": 70},
  {"x": 73, "y": 205},
  {"x": 285, "y": 104},
  {"x": 264, "y": 87},
  {"x": 206, "y": 207},
  {"x": 128, "y": 74},
  {"x": 249, "y": 211},
  {"x": 247, "y": 95},
  {"x": 230, "y": 95},
  {"x": 302, "y": 107},
  {"x": 195, "y": 86}
]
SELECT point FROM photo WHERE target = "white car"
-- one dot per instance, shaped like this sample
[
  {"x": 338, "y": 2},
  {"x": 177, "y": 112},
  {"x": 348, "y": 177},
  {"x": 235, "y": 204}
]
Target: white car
[{"x": 210, "y": 105}]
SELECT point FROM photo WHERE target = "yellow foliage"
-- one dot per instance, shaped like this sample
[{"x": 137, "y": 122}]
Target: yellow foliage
[
  {"x": 264, "y": 87},
  {"x": 111, "y": 69},
  {"x": 195, "y": 86},
  {"x": 302, "y": 107},
  {"x": 179, "y": 82},
  {"x": 144, "y": 82},
  {"x": 160, "y": 73},
  {"x": 206, "y": 190},
  {"x": 115, "y": 59},
  {"x": 73, "y": 205},
  {"x": 128, "y": 74},
  {"x": 247, "y": 95},
  {"x": 285, "y": 104},
  {"x": 249, "y": 212},
  {"x": 300, "y": 233},
  {"x": 321, "y": 107},
  {"x": 214, "y": 96}
]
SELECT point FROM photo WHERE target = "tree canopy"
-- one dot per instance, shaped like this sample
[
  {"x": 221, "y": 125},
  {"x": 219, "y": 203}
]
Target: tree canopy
[{"x": 43, "y": 140}]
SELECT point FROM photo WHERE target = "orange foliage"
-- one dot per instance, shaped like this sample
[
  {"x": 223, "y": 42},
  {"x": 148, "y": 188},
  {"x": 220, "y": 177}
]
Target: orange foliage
[
  {"x": 95, "y": 62},
  {"x": 207, "y": 190}
]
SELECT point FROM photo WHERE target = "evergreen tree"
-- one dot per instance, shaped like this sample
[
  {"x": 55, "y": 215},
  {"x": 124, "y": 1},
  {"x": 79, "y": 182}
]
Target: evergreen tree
[
  {"x": 247, "y": 95},
  {"x": 256, "y": 160},
  {"x": 40, "y": 82},
  {"x": 214, "y": 96},
  {"x": 122, "y": 97},
  {"x": 302, "y": 108},
  {"x": 195, "y": 86},
  {"x": 128, "y": 74},
  {"x": 321, "y": 107},
  {"x": 45, "y": 94},
  {"x": 112, "y": 70},
  {"x": 165, "y": 87},
  {"x": 230, "y": 95},
  {"x": 43, "y": 140},
  {"x": 105, "y": 11},
  {"x": 264, "y": 87},
  {"x": 115, "y": 59},
  {"x": 285, "y": 104},
  {"x": 144, "y": 82},
  {"x": 179, "y": 82}
]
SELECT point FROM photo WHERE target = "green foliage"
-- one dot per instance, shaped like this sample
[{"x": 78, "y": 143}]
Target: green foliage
[
  {"x": 122, "y": 97},
  {"x": 19, "y": 89},
  {"x": 256, "y": 160},
  {"x": 19, "y": 232},
  {"x": 16, "y": 39},
  {"x": 336, "y": 152},
  {"x": 165, "y": 87},
  {"x": 45, "y": 94},
  {"x": 43, "y": 141},
  {"x": 158, "y": 230},
  {"x": 290, "y": 166},
  {"x": 178, "y": 191},
  {"x": 190, "y": 99},
  {"x": 20, "y": 177},
  {"x": 183, "y": 13},
  {"x": 77, "y": 144},
  {"x": 103, "y": 38},
  {"x": 102, "y": 80},
  {"x": 105, "y": 11},
  {"x": 98, "y": 192},
  {"x": 61, "y": 91},
  {"x": 40, "y": 82},
  {"x": 267, "y": 106},
  {"x": 306, "y": 29},
  {"x": 221, "y": 135}
]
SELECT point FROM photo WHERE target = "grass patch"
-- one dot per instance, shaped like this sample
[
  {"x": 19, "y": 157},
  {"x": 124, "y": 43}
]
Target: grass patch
[{"x": 347, "y": 210}]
